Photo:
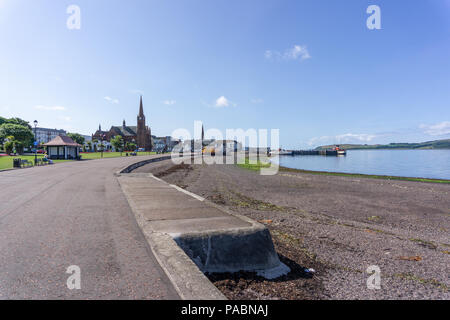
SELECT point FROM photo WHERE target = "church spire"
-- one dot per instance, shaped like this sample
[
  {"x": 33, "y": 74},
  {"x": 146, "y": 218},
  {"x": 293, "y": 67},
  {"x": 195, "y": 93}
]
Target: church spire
[
  {"x": 141, "y": 109},
  {"x": 203, "y": 135}
]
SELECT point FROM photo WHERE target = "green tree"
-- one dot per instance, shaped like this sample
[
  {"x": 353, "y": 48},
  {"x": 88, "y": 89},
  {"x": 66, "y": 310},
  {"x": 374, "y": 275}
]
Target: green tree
[
  {"x": 19, "y": 121},
  {"x": 9, "y": 146},
  {"x": 12, "y": 145},
  {"x": 95, "y": 141},
  {"x": 78, "y": 138},
  {"x": 3, "y": 120},
  {"x": 130, "y": 146},
  {"x": 117, "y": 143},
  {"x": 89, "y": 143},
  {"x": 20, "y": 133},
  {"x": 18, "y": 145}
]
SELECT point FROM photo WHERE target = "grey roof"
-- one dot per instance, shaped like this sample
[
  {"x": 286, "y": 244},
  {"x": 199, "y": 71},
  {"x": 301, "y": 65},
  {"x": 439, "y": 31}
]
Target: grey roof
[{"x": 125, "y": 131}]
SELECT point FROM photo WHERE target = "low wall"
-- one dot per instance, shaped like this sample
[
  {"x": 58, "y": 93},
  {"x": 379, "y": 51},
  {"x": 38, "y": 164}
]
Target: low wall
[{"x": 136, "y": 165}]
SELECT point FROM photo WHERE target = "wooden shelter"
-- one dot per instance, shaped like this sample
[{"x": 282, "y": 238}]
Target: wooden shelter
[{"x": 62, "y": 148}]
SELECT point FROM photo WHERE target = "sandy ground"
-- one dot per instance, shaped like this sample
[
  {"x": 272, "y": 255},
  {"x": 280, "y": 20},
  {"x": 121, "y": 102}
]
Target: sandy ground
[{"x": 338, "y": 226}]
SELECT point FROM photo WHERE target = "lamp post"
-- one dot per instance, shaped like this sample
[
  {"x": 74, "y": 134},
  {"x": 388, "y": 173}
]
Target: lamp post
[
  {"x": 35, "y": 142},
  {"x": 102, "y": 146}
]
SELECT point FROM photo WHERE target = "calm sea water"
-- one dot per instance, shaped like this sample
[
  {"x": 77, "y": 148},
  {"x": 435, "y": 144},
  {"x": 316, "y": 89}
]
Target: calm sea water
[{"x": 405, "y": 163}]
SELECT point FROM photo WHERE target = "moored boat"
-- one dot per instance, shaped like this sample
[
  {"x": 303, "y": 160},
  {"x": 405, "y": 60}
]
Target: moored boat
[{"x": 340, "y": 151}]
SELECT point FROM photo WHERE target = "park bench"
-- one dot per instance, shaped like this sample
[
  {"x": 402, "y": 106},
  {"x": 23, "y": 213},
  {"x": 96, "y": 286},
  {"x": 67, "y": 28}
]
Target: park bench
[
  {"x": 41, "y": 162},
  {"x": 26, "y": 163}
]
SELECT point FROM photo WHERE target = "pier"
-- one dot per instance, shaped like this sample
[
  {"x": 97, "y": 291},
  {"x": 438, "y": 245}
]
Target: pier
[
  {"x": 314, "y": 153},
  {"x": 309, "y": 153}
]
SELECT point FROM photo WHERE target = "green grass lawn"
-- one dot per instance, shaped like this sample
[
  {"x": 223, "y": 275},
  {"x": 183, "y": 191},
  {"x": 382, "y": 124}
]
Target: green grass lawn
[
  {"x": 254, "y": 165},
  {"x": 7, "y": 162},
  {"x": 98, "y": 155}
]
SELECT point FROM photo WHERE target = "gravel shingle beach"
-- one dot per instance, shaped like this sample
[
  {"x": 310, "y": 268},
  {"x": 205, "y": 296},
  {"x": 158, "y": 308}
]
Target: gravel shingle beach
[{"x": 336, "y": 225}]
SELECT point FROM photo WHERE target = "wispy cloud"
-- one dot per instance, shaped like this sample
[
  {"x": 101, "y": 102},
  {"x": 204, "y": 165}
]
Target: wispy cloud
[
  {"x": 169, "y": 102},
  {"x": 297, "y": 52},
  {"x": 342, "y": 138},
  {"x": 223, "y": 102},
  {"x": 438, "y": 129},
  {"x": 111, "y": 100},
  {"x": 50, "y": 108},
  {"x": 268, "y": 54}
]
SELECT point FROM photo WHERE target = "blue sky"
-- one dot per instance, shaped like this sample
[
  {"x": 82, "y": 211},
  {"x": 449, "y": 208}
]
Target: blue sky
[{"x": 310, "y": 68}]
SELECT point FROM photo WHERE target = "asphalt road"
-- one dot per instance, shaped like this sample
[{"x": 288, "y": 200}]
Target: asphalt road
[{"x": 74, "y": 214}]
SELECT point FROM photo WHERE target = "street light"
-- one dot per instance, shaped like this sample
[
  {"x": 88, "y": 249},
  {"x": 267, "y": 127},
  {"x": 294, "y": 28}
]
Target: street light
[
  {"x": 102, "y": 146},
  {"x": 35, "y": 142}
]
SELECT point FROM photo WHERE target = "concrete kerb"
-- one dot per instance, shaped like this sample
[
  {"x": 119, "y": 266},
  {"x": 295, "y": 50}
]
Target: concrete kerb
[
  {"x": 186, "y": 256},
  {"x": 189, "y": 282},
  {"x": 136, "y": 165}
]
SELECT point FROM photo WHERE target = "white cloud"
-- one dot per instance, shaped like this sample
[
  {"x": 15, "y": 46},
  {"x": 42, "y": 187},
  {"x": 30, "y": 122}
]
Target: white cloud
[
  {"x": 50, "y": 108},
  {"x": 438, "y": 129},
  {"x": 222, "y": 102},
  {"x": 297, "y": 52},
  {"x": 169, "y": 102},
  {"x": 342, "y": 138},
  {"x": 359, "y": 137},
  {"x": 111, "y": 100}
]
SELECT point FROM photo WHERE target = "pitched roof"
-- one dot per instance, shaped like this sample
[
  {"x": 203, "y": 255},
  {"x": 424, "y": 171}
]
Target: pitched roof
[
  {"x": 125, "y": 131},
  {"x": 60, "y": 141}
]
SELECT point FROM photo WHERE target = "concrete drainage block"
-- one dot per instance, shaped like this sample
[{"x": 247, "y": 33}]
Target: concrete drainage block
[{"x": 234, "y": 251}]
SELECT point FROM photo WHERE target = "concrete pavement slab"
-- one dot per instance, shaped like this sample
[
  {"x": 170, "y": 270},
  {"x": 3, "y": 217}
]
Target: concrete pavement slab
[
  {"x": 216, "y": 240},
  {"x": 186, "y": 213},
  {"x": 192, "y": 225}
]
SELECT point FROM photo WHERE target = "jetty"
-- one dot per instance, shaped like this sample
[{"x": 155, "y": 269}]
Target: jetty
[
  {"x": 314, "y": 152},
  {"x": 307, "y": 153},
  {"x": 337, "y": 151}
]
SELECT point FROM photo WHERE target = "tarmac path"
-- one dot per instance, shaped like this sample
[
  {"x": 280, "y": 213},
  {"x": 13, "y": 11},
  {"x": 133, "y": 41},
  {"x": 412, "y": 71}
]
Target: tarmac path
[{"x": 74, "y": 213}]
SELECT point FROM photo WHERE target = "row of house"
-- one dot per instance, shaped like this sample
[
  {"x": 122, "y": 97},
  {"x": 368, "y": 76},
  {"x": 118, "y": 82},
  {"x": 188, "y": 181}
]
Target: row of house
[
  {"x": 218, "y": 145},
  {"x": 139, "y": 135}
]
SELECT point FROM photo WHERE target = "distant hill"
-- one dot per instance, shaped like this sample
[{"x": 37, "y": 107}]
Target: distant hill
[{"x": 436, "y": 144}]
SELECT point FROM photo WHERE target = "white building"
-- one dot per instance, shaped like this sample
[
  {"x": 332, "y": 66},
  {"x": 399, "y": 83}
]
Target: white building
[{"x": 45, "y": 135}]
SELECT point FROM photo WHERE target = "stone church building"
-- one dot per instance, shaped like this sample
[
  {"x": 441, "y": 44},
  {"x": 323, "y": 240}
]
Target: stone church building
[{"x": 140, "y": 134}]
